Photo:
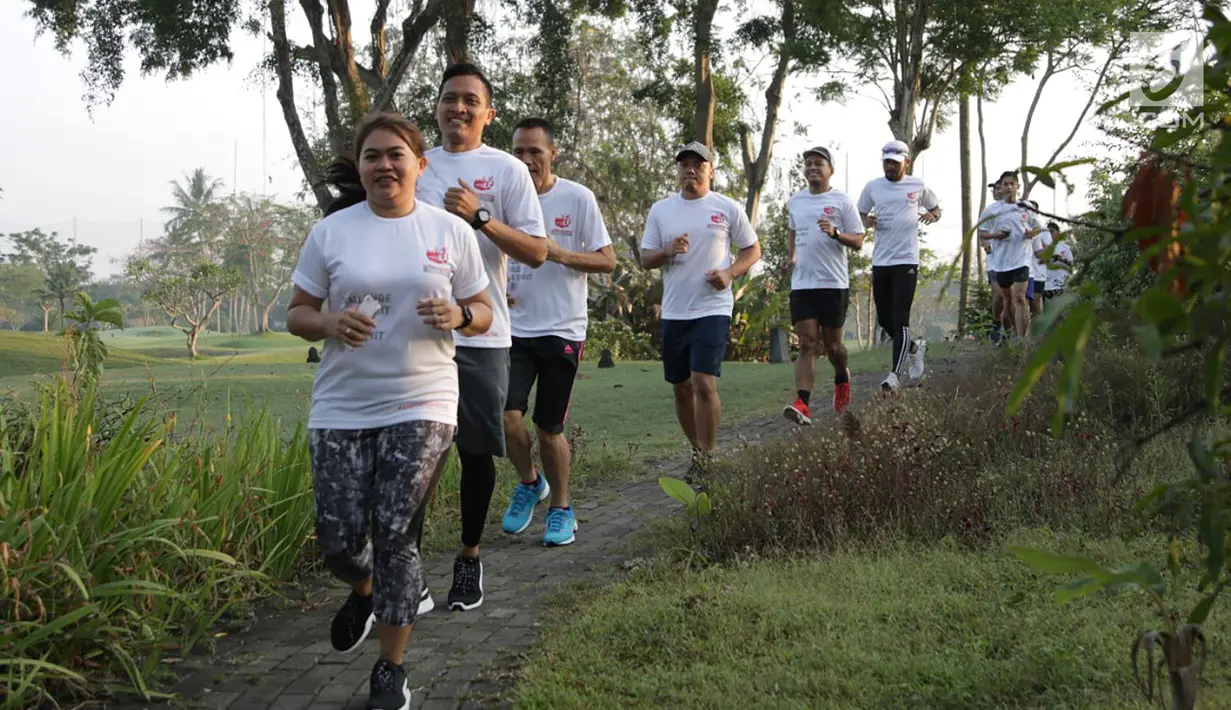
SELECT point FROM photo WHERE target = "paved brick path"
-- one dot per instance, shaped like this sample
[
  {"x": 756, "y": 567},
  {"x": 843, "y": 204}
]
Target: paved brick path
[{"x": 453, "y": 659}]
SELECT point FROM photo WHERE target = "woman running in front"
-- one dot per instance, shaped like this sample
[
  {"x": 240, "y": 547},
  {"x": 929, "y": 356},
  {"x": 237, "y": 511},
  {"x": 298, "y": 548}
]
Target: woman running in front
[{"x": 400, "y": 275}]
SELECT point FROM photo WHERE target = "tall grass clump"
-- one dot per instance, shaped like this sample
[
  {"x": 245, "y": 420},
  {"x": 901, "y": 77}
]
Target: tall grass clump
[
  {"x": 121, "y": 542},
  {"x": 945, "y": 461}
]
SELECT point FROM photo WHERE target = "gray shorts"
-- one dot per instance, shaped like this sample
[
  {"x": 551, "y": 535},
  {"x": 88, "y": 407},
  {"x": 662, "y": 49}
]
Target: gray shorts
[{"x": 483, "y": 386}]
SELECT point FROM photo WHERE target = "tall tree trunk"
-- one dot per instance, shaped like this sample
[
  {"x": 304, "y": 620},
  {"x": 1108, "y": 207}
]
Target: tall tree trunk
[
  {"x": 458, "y": 16},
  {"x": 703, "y": 79},
  {"x": 967, "y": 222},
  {"x": 286, "y": 99},
  {"x": 46, "y": 315},
  {"x": 757, "y": 169},
  {"x": 983, "y": 188},
  {"x": 871, "y": 317},
  {"x": 353, "y": 88}
]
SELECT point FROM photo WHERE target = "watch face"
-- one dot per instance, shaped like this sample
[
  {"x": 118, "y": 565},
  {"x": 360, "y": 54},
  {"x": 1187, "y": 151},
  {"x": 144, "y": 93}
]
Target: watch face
[{"x": 483, "y": 214}]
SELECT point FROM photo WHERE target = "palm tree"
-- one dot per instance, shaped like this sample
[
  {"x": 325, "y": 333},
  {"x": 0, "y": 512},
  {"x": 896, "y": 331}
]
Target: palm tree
[{"x": 193, "y": 226}]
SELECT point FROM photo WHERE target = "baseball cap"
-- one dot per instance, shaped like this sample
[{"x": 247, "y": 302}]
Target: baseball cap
[
  {"x": 698, "y": 148},
  {"x": 821, "y": 151},
  {"x": 895, "y": 150}
]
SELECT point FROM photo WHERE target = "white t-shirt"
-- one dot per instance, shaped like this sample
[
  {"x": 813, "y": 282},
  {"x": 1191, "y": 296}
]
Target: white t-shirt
[
  {"x": 1013, "y": 252},
  {"x": 1038, "y": 270},
  {"x": 714, "y": 224},
  {"x": 1058, "y": 274},
  {"x": 552, "y": 299},
  {"x": 504, "y": 187},
  {"x": 820, "y": 260},
  {"x": 898, "y": 205},
  {"x": 405, "y": 372}
]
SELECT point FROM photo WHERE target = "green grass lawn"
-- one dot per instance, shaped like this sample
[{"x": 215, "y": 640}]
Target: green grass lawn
[
  {"x": 904, "y": 627},
  {"x": 625, "y": 412}
]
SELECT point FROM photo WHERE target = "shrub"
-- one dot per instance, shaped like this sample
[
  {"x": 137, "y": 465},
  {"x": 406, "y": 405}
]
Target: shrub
[
  {"x": 945, "y": 461},
  {"x": 619, "y": 337},
  {"x": 116, "y": 550}
]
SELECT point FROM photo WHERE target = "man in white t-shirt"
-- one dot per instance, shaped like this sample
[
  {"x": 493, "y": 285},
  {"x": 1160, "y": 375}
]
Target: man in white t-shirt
[
  {"x": 690, "y": 235},
  {"x": 1038, "y": 270},
  {"x": 1061, "y": 262},
  {"x": 1012, "y": 228},
  {"x": 492, "y": 191},
  {"x": 895, "y": 205},
  {"x": 824, "y": 224},
  {"x": 549, "y": 313}
]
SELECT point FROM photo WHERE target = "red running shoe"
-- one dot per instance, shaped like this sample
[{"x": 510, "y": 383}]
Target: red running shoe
[
  {"x": 842, "y": 394},
  {"x": 798, "y": 412}
]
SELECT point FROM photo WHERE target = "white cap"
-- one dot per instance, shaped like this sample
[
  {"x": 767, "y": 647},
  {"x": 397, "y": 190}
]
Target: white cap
[{"x": 895, "y": 150}]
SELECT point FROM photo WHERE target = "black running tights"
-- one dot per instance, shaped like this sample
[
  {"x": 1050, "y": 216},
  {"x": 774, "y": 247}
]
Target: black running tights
[
  {"x": 893, "y": 290},
  {"x": 478, "y": 483}
]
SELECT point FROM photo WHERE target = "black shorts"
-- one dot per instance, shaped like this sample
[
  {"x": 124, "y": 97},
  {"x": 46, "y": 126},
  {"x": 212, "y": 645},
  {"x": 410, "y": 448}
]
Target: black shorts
[
  {"x": 694, "y": 346},
  {"x": 553, "y": 361},
  {"x": 1040, "y": 287},
  {"x": 825, "y": 305},
  {"x": 1005, "y": 279}
]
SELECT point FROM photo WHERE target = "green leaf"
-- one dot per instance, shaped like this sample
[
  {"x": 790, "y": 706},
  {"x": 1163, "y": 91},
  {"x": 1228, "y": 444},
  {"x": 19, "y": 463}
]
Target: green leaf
[
  {"x": 1051, "y": 563},
  {"x": 1079, "y": 588},
  {"x": 704, "y": 506},
  {"x": 213, "y": 555},
  {"x": 678, "y": 490},
  {"x": 1214, "y": 535},
  {"x": 1159, "y": 306},
  {"x": 1215, "y": 364},
  {"x": 1150, "y": 340},
  {"x": 1200, "y": 612}
]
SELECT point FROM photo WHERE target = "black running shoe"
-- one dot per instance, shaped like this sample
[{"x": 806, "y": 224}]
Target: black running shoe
[
  {"x": 352, "y": 623},
  {"x": 389, "y": 689},
  {"x": 467, "y": 591}
]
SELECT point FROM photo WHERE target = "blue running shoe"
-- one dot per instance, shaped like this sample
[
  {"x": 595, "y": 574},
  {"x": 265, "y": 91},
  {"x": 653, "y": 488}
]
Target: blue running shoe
[
  {"x": 561, "y": 527},
  {"x": 521, "y": 507}
]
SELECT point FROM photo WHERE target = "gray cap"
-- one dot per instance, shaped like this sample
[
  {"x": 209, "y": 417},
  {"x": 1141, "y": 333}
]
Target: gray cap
[
  {"x": 698, "y": 148},
  {"x": 821, "y": 151}
]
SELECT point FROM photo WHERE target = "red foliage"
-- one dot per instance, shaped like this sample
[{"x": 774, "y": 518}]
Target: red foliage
[{"x": 1152, "y": 200}]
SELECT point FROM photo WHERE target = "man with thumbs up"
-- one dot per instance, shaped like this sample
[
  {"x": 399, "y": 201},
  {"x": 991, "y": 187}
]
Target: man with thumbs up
[
  {"x": 492, "y": 192},
  {"x": 690, "y": 235}
]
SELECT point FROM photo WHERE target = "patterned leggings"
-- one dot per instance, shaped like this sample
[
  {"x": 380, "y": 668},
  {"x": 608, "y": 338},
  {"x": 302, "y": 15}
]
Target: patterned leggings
[{"x": 371, "y": 488}]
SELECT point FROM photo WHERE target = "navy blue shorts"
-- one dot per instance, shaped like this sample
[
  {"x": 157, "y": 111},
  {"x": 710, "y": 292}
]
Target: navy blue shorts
[{"x": 694, "y": 346}]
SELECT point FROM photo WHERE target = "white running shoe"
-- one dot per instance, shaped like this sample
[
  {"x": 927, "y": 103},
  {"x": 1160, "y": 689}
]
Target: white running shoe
[
  {"x": 891, "y": 382},
  {"x": 426, "y": 603},
  {"x": 914, "y": 361}
]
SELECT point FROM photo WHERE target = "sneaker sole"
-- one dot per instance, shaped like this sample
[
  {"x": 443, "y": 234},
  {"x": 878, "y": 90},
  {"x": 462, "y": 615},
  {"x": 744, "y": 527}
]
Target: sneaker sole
[
  {"x": 569, "y": 541},
  {"x": 542, "y": 497},
  {"x": 367, "y": 629},
  {"x": 796, "y": 416},
  {"x": 426, "y": 605},
  {"x": 405, "y": 697}
]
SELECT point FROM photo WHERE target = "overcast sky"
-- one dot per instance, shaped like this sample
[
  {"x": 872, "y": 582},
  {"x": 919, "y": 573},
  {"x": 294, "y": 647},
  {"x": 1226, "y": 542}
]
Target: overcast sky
[{"x": 106, "y": 177}]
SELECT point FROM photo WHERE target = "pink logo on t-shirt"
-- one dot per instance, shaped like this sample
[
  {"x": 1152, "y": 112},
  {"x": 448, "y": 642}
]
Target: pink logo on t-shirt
[
  {"x": 439, "y": 255},
  {"x": 564, "y": 221},
  {"x": 829, "y": 210},
  {"x": 718, "y": 218},
  {"x": 485, "y": 183},
  {"x": 912, "y": 196}
]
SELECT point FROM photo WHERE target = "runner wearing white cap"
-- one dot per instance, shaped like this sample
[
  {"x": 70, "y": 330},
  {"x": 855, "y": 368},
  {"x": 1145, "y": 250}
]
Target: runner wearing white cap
[{"x": 895, "y": 205}]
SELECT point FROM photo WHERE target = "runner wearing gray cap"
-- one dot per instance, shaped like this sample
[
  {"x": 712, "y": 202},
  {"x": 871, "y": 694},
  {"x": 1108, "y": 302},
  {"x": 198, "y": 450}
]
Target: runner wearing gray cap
[
  {"x": 824, "y": 224},
  {"x": 895, "y": 205},
  {"x": 690, "y": 235}
]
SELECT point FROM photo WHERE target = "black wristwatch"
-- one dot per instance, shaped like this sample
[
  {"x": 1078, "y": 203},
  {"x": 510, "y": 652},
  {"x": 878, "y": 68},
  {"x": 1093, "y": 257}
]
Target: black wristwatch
[
  {"x": 835, "y": 233},
  {"x": 467, "y": 318},
  {"x": 481, "y": 217}
]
